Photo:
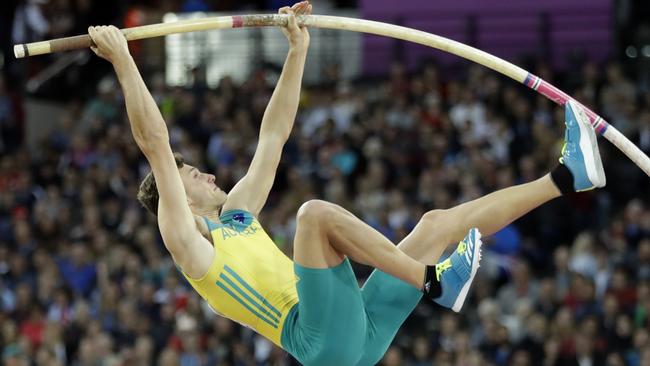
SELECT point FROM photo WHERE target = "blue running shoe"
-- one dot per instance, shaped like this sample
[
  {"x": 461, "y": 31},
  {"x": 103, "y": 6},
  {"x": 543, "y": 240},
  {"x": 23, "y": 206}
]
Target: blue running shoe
[
  {"x": 580, "y": 152},
  {"x": 457, "y": 272}
]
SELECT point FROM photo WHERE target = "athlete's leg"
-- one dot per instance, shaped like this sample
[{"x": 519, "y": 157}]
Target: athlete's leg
[
  {"x": 439, "y": 228},
  {"x": 326, "y": 232}
]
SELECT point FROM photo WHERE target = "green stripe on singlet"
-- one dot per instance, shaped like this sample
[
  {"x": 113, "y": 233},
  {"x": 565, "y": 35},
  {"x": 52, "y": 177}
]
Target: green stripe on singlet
[
  {"x": 252, "y": 290},
  {"x": 247, "y": 297},
  {"x": 248, "y": 307}
]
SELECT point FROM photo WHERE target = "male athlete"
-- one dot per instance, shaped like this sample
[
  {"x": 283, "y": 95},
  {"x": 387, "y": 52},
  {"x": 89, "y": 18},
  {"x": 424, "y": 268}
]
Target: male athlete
[{"x": 312, "y": 307}]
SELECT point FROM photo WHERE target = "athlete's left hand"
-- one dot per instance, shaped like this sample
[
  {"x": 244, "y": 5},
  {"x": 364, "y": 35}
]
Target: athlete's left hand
[
  {"x": 298, "y": 36},
  {"x": 109, "y": 43}
]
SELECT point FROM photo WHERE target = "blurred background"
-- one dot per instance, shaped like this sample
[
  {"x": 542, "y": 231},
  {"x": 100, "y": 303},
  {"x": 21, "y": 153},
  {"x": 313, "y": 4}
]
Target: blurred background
[{"x": 387, "y": 129}]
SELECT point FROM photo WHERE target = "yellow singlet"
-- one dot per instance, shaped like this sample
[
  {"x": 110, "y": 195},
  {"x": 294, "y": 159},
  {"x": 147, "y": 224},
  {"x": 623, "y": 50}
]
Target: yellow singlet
[{"x": 250, "y": 280}]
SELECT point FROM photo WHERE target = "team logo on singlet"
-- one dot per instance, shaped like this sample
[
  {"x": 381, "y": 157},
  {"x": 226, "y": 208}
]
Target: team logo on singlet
[{"x": 238, "y": 217}]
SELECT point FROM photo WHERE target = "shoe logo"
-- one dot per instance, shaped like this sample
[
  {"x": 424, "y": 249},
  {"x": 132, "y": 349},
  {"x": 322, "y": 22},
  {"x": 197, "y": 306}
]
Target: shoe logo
[{"x": 427, "y": 286}]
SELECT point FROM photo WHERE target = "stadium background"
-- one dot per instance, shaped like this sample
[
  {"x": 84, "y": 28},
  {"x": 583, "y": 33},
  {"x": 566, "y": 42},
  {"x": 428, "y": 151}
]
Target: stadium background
[{"x": 85, "y": 279}]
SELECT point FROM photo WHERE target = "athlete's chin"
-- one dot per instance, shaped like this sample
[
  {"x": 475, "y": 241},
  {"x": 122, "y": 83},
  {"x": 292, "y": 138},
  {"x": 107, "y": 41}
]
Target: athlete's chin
[{"x": 219, "y": 197}]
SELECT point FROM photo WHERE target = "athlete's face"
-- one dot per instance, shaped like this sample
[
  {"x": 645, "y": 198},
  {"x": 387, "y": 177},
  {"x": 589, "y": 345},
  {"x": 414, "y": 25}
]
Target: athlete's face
[{"x": 202, "y": 192}]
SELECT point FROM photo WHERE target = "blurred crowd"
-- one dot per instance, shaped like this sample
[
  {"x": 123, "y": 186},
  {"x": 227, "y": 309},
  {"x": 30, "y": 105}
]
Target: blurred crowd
[{"x": 85, "y": 279}]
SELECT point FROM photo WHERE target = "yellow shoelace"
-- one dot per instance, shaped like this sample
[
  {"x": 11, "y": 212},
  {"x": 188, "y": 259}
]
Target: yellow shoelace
[
  {"x": 446, "y": 264},
  {"x": 441, "y": 267}
]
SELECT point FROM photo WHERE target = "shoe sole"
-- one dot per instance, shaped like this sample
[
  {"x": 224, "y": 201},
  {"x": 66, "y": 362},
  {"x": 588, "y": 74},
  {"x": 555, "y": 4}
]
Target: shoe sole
[
  {"x": 589, "y": 146},
  {"x": 460, "y": 300}
]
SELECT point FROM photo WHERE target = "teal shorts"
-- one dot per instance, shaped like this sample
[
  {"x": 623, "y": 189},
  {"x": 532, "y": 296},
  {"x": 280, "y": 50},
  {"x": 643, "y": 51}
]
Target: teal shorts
[{"x": 337, "y": 323}]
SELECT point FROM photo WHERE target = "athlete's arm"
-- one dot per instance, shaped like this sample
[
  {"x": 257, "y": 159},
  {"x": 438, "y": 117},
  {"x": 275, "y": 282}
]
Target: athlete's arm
[
  {"x": 190, "y": 250},
  {"x": 251, "y": 192}
]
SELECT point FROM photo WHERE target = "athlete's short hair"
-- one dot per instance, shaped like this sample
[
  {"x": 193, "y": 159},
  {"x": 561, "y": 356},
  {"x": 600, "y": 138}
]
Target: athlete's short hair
[{"x": 148, "y": 191}]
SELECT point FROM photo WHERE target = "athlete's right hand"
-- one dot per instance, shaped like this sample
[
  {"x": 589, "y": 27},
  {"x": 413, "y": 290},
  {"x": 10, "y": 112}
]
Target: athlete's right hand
[
  {"x": 109, "y": 43},
  {"x": 298, "y": 36}
]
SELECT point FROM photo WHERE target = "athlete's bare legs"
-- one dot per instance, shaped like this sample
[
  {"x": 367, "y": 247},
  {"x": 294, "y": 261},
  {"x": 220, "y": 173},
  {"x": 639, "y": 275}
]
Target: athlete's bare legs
[
  {"x": 326, "y": 232},
  {"x": 439, "y": 228}
]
